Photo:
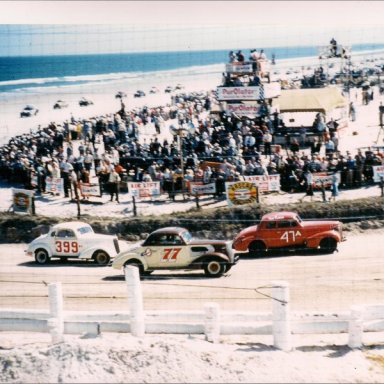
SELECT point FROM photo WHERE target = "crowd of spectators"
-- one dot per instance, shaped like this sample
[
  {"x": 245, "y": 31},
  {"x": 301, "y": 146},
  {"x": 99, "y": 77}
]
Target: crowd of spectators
[{"x": 219, "y": 148}]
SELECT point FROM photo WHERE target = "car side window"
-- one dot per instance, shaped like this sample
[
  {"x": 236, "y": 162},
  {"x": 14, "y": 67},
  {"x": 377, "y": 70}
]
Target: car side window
[
  {"x": 284, "y": 224},
  {"x": 64, "y": 233},
  {"x": 271, "y": 225},
  {"x": 175, "y": 240},
  {"x": 152, "y": 240}
]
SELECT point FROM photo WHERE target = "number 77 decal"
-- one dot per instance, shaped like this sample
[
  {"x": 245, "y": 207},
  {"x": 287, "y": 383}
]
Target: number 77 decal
[{"x": 170, "y": 254}]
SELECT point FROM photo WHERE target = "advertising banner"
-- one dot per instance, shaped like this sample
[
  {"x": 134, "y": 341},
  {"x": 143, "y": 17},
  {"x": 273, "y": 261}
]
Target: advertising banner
[
  {"x": 267, "y": 91},
  {"x": 89, "y": 189},
  {"x": 265, "y": 183},
  {"x": 202, "y": 189},
  {"x": 322, "y": 177},
  {"x": 378, "y": 172},
  {"x": 54, "y": 185},
  {"x": 22, "y": 200},
  {"x": 239, "y": 109},
  {"x": 238, "y": 68},
  {"x": 142, "y": 190},
  {"x": 241, "y": 192}
]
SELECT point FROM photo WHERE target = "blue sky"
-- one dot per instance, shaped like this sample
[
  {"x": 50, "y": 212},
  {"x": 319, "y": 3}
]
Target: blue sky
[{"x": 62, "y": 27}]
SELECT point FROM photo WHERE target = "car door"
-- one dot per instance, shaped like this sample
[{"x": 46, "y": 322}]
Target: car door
[
  {"x": 289, "y": 233},
  {"x": 272, "y": 233},
  {"x": 165, "y": 251},
  {"x": 66, "y": 243}
]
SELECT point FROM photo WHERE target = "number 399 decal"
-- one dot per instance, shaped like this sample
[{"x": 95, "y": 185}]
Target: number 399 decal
[
  {"x": 290, "y": 235},
  {"x": 67, "y": 247}
]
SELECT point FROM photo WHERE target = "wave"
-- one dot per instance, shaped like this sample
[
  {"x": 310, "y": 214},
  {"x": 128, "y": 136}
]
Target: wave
[{"x": 43, "y": 84}]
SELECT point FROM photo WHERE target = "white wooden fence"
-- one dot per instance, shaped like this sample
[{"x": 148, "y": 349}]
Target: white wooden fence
[{"x": 210, "y": 321}]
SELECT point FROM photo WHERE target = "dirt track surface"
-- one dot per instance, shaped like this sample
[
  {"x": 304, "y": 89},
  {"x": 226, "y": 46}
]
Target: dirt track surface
[{"x": 352, "y": 276}]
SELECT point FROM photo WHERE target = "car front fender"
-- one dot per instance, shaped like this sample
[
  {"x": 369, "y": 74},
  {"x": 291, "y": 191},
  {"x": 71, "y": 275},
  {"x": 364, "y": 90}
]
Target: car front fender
[
  {"x": 314, "y": 241},
  {"x": 210, "y": 255},
  {"x": 31, "y": 249},
  {"x": 123, "y": 257}
]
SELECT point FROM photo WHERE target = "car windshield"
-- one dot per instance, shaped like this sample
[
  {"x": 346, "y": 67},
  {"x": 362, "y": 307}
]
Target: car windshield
[
  {"x": 84, "y": 230},
  {"x": 186, "y": 236}
]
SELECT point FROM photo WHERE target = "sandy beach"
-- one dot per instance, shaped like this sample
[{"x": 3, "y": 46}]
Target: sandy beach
[
  {"x": 105, "y": 103},
  {"x": 123, "y": 358}
]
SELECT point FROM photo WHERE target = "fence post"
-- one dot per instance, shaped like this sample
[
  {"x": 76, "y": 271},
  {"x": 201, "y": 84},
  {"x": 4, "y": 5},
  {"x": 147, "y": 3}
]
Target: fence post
[
  {"x": 280, "y": 312},
  {"x": 212, "y": 322},
  {"x": 355, "y": 328},
  {"x": 135, "y": 298},
  {"x": 56, "y": 322}
]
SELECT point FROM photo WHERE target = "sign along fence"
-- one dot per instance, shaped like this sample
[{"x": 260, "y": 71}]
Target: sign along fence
[{"x": 282, "y": 324}]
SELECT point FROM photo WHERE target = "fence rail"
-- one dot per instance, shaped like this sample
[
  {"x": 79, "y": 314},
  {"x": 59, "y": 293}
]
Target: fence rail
[{"x": 210, "y": 321}]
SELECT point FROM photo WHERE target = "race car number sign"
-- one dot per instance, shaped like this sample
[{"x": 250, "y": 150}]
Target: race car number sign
[
  {"x": 241, "y": 192},
  {"x": 69, "y": 247},
  {"x": 290, "y": 236},
  {"x": 170, "y": 254}
]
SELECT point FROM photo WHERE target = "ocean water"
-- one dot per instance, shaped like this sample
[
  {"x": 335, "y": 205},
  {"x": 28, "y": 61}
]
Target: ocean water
[
  {"x": 42, "y": 80},
  {"x": 44, "y": 73}
]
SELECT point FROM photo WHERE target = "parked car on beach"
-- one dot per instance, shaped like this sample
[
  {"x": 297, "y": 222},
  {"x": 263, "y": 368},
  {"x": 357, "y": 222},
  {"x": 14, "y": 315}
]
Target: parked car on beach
[
  {"x": 73, "y": 240},
  {"x": 139, "y": 93},
  {"x": 29, "y": 111},
  {"x": 286, "y": 230},
  {"x": 168, "y": 89},
  {"x": 60, "y": 104},
  {"x": 154, "y": 90},
  {"x": 173, "y": 248},
  {"x": 83, "y": 102},
  {"x": 120, "y": 95}
]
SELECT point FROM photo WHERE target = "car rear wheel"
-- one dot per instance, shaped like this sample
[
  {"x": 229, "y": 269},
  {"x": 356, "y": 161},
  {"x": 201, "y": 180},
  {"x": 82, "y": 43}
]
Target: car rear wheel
[
  {"x": 257, "y": 249},
  {"x": 101, "y": 258},
  {"x": 41, "y": 256},
  {"x": 214, "y": 268},
  {"x": 328, "y": 245}
]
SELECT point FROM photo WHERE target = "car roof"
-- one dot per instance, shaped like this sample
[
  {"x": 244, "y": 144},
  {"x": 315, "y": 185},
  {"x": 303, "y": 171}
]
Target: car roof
[
  {"x": 284, "y": 215},
  {"x": 176, "y": 230},
  {"x": 70, "y": 225}
]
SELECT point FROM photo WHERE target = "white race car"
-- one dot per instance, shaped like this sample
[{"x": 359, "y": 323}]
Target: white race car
[
  {"x": 73, "y": 240},
  {"x": 174, "y": 248}
]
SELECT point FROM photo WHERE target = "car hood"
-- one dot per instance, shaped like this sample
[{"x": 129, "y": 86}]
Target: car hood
[
  {"x": 41, "y": 237},
  {"x": 247, "y": 231},
  {"x": 326, "y": 224},
  {"x": 205, "y": 241}
]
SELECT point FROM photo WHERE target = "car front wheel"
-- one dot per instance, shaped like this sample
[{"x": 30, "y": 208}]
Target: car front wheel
[
  {"x": 328, "y": 245},
  {"x": 257, "y": 249},
  {"x": 101, "y": 258},
  {"x": 41, "y": 256},
  {"x": 214, "y": 268},
  {"x": 138, "y": 265}
]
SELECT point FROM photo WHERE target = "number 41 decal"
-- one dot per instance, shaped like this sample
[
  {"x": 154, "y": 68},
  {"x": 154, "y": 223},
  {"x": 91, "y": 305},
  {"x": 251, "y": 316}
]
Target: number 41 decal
[
  {"x": 170, "y": 254},
  {"x": 290, "y": 235}
]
